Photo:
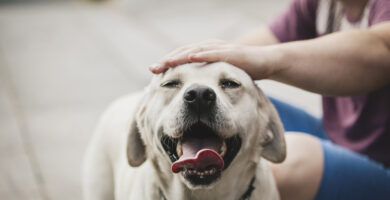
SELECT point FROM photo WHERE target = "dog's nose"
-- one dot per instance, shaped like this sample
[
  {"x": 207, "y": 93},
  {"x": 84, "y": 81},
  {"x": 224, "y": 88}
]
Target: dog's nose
[{"x": 200, "y": 96}]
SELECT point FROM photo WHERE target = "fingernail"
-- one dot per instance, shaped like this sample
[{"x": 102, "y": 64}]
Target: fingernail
[{"x": 155, "y": 66}]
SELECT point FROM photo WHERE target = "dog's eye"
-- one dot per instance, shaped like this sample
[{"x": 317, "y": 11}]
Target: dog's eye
[
  {"x": 226, "y": 83},
  {"x": 171, "y": 84}
]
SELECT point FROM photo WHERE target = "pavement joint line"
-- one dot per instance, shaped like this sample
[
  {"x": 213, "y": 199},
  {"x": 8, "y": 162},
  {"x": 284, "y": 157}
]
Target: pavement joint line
[
  {"x": 14, "y": 188},
  {"x": 28, "y": 148}
]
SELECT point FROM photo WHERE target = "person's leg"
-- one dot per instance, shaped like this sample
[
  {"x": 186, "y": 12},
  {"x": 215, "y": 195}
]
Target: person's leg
[
  {"x": 298, "y": 120},
  {"x": 349, "y": 175},
  {"x": 299, "y": 176},
  {"x": 319, "y": 169}
]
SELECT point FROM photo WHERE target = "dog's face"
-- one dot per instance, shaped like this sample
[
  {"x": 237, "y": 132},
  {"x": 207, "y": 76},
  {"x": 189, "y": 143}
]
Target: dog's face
[{"x": 201, "y": 120}]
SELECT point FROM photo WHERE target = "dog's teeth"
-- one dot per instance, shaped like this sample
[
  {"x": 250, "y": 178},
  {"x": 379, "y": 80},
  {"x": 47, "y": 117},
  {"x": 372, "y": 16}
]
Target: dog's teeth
[
  {"x": 223, "y": 149},
  {"x": 201, "y": 173},
  {"x": 179, "y": 150}
]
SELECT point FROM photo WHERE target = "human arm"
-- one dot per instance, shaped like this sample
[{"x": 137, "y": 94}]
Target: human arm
[
  {"x": 344, "y": 63},
  {"x": 261, "y": 36}
]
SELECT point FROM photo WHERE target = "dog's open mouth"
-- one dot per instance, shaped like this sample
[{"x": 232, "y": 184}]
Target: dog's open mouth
[{"x": 201, "y": 154}]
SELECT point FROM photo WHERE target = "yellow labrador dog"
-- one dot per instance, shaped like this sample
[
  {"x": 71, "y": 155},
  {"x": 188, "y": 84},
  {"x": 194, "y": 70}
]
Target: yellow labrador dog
[{"x": 196, "y": 132}]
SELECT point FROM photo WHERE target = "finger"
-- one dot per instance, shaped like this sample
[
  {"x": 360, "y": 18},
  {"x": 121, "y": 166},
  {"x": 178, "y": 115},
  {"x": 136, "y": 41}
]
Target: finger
[
  {"x": 159, "y": 66},
  {"x": 222, "y": 55},
  {"x": 180, "y": 55},
  {"x": 172, "y": 60},
  {"x": 173, "y": 54},
  {"x": 176, "y": 51},
  {"x": 184, "y": 49},
  {"x": 183, "y": 57}
]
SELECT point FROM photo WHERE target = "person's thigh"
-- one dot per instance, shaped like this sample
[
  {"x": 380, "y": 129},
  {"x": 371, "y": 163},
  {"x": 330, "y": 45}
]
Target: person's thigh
[
  {"x": 318, "y": 169},
  {"x": 299, "y": 176},
  {"x": 349, "y": 175}
]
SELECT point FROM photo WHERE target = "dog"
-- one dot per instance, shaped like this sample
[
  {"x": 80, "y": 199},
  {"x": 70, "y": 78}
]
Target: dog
[{"x": 198, "y": 131}]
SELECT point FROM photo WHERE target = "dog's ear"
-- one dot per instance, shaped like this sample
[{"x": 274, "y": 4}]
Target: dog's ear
[
  {"x": 136, "y": 150},
  {"x": 274, "y": 145},
  {"x": 274, "y": 148}
]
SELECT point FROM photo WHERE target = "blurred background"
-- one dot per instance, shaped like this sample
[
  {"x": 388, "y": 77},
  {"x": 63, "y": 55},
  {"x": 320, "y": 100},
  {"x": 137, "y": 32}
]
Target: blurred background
[{"x": 63, "y": 61}]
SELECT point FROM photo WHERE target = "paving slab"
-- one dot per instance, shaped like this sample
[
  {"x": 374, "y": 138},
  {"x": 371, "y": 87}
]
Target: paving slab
[
  {"x": 18, "y": 180},
  {"x": 63, "y": 73},
  {"x": 60, "y": 137},
  {"x": 65, "y": 60}
]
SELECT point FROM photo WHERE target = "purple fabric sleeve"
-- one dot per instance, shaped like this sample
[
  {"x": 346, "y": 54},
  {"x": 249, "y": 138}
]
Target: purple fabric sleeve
[
  {"x": 379, "y": 11},
  {"x": 298, "y": 22}
]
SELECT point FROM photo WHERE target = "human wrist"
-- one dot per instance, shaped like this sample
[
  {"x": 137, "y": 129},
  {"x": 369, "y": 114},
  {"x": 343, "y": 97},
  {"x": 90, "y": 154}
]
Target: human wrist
[
  {"x": 265, "y": 61},
  {"x": 276, "y": 60}
]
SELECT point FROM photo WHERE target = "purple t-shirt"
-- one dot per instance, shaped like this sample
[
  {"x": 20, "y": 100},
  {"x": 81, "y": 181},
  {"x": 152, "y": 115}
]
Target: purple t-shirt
[{"x": 360, "y": 123}]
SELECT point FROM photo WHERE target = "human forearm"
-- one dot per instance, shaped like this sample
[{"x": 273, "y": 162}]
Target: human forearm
[{"x": 345, "y": 63}]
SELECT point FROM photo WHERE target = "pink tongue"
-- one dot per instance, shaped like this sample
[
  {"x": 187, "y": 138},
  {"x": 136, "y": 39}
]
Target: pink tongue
[{"x": 199, "y": 154}]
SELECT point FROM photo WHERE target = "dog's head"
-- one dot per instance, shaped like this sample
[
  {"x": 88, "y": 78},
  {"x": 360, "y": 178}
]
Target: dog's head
[{"x": 197, "y": 121}]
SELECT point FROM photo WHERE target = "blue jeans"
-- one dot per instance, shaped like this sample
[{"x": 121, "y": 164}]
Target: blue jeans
[{"x": 347, "y": 174}]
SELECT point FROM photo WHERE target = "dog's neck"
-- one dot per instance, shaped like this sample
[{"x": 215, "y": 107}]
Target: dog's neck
[{"x": 233, "y": 184}]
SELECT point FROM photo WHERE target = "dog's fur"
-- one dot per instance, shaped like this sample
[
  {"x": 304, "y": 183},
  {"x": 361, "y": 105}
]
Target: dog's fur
[{"x": 125, "y": 159}]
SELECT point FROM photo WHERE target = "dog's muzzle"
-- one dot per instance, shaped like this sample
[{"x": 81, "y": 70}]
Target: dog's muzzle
[{"x": 201, "y": 153}]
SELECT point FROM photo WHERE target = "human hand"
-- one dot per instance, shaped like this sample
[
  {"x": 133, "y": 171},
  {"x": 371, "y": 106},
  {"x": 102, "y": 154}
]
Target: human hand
[{"x": 251, "y": 59}]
